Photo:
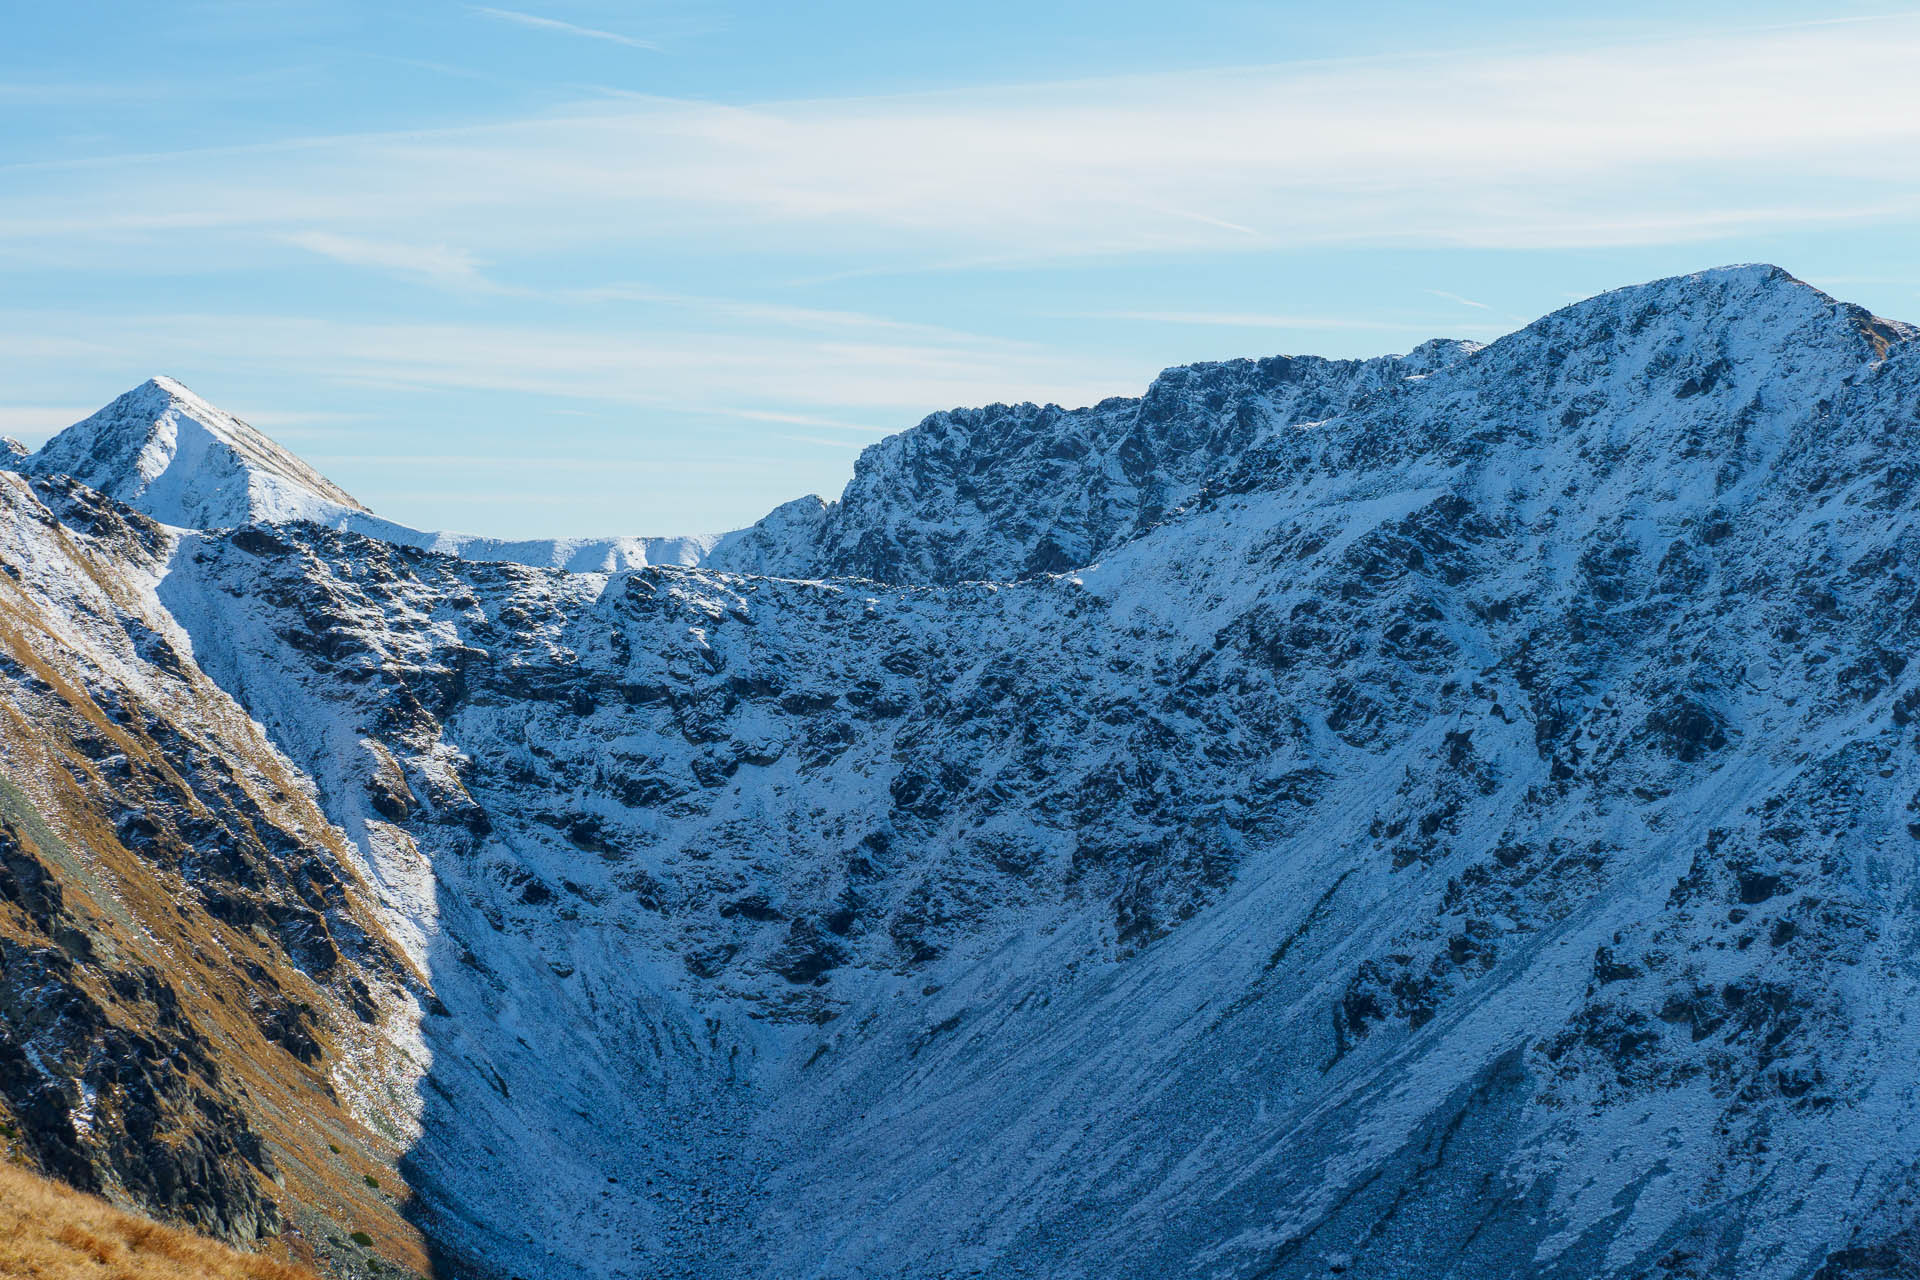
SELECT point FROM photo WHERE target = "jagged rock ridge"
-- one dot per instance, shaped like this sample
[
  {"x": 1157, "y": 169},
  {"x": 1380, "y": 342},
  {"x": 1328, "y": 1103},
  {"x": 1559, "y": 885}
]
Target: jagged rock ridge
[
  {"x": 1468, "y": 833},
  {"x": 1012, "y": 491}
]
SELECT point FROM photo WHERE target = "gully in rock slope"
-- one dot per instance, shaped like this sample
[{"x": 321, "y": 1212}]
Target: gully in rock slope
[{"x": 1451, "y": 815}]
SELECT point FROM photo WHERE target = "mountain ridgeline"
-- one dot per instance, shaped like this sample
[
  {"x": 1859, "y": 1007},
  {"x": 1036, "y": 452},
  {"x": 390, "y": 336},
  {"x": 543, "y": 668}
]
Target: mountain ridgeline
[{"x": 1452, "y": 815}]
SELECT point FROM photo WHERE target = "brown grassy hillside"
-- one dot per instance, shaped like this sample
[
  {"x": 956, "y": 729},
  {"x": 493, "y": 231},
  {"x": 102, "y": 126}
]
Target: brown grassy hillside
[{"x": 50, "y": 1232}]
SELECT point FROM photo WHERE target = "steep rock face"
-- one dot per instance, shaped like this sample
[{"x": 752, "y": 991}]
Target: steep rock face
[
  {"x": 1465, "y": 824},
  {"x": 1012, "y": 491}
]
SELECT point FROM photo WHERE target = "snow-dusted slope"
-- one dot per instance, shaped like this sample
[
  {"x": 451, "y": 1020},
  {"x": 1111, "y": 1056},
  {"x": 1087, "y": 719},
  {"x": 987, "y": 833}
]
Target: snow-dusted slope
[{"x": 1466, "y": 824}]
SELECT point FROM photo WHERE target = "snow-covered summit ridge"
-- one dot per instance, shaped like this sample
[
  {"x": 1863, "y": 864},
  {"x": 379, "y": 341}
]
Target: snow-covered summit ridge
[
  {"x": 1011, "y": 491},
  {"x": 1727, "y": 287},
  {"x": 1744, "y": 312},
  {"x": 1647, "y": 366},
  {"x": 168, "y": 453}
]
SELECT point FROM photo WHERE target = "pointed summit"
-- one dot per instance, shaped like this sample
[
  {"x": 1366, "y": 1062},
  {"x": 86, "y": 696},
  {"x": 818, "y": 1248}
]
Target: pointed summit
[
  {"x": 170, "y": 455},
  {"x": 1748, "y": 311},
  {"x": 166, "y": 452}
]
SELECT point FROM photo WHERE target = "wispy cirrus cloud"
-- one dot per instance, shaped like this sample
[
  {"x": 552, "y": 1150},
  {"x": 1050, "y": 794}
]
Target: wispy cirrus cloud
[
  {"x": 1454, "y": 297},
  {"x": 810, "y": 420},
  {"x": 1602, "y": 147},
  {"x": 778, "y": 375},
  {"x": 564, "y": 28},
  {"x": 437, "y": 263}
]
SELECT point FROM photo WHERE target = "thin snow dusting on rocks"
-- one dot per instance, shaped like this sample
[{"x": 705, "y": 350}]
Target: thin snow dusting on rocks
[{"x": 1449, "y": 815}]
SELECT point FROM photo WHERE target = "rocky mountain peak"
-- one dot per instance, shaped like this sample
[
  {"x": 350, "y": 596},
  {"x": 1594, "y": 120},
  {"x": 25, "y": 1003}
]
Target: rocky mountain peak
[
  {"x": 1014, "y": 491},
  {"x": 1748, "y": 312},
  {"x": 180, "y": 460}
]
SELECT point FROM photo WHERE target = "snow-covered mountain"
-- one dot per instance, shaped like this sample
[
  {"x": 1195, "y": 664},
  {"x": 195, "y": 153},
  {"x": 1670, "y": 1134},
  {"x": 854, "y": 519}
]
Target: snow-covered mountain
[
  {"x": 167, "y": 453},
  {"x": 170, "y": 455},
  {"x": 1449, "y": 816}
]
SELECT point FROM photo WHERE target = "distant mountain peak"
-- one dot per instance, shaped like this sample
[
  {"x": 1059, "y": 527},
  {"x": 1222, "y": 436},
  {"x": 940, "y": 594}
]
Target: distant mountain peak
[
  {"x": 185, "y": 462},
  {"x": 10, "y": 446},
  {"x": 178, "y": 458}
]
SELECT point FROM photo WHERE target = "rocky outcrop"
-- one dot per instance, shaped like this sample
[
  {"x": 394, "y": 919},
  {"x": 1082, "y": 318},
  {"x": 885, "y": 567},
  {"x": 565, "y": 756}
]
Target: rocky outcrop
[{"x": 109, "y": 1081}]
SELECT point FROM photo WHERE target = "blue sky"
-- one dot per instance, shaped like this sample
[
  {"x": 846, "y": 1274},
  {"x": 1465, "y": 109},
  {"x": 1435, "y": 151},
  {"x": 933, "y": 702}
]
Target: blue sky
[{"x": 595, "y": 267}]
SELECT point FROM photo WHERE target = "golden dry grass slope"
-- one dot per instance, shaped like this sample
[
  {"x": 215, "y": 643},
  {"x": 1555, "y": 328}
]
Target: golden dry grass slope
[{"x": 51, "y": 1232}]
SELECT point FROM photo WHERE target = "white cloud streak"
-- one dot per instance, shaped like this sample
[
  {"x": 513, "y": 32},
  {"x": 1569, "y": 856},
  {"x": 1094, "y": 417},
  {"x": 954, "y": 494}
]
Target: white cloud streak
[
  {"x": 809, "y": 420},
  {"x": 1454, "y": 297},
  {"x": 1607, "y": 147},
  {"x": 452, "y": 268},
  {"x": 772, "y": 376},
  {"x": 564, "y": 28}
]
